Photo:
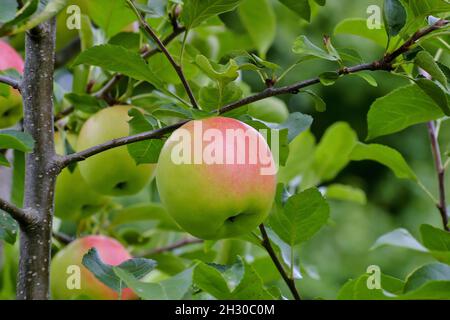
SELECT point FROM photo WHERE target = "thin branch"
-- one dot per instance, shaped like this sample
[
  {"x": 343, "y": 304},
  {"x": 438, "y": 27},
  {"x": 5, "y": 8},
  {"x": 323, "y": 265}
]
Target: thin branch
[
  {"x": 384, "y": 64},
  {"x": 171, "y": 247},
  {"x": 67, "y": 53},
  {"x": 10, "y": 82},
  {"x": 63, "y": 113},
  {"x": 83, "y": 155},
  {"x": 146, "y": 55},
  {"x": 21, "y": 216},
  {"x": 63, "y": 238},
  {"x": 268, "y": 246},
  {"x": 416, "y": 37},
  {"x": 441, "y": 205},
  {"x": 178, "y": 69}
]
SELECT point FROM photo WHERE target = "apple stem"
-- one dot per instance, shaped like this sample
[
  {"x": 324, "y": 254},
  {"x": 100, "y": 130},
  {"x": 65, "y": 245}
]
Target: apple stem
[{"x": 268, "y": 246}]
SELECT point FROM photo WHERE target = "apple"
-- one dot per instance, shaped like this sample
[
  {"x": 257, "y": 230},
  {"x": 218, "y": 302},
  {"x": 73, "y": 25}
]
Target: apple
[
  {"x": 74, "y": 199},
  {"x": 113, "y": 172},
  {"x": 270, "y": 110},
  {"x": 10, "y": 106},
  {"x": 67, "y": 265},
  {"x": 210, "y": 198}
]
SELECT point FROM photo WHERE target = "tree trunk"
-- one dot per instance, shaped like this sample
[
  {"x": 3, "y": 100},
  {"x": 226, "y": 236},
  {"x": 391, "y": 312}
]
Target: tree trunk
[{"x": 41, "y": 171}]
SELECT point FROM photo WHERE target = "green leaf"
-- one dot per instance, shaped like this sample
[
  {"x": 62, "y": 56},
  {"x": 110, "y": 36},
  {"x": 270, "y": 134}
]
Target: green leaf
[
  {"x": 435, "y": 92},
  {"x": 20, "y": 16},
  {"x": 295, "y": 124},
  {"x": 17, "y": 140},
  {"x": 18, "y": 178},
  {"x": 345, "y": 193},
  {"x": 4, "y": 161},
  {"x": 222, "y": 73},
  {"x": 433, "y": 290},
  {"x": 428, "y": 7},
  {"x": 118, "y": 59},
  {"x": 394, "y": 16},
  {"x": 46, "y": 10},
  {"x": 358, "y": 27},
  {"x": 319, "y": 104},
  {"x": 128, "y": 40},
  {"x": 385, "y": 155},
  {"x": 212, "y": 97},
  {"x": 241, "y": 277},
  {"x": 399, "y": 238},
  {"x": 333, "y": 151},
  {"x": 425, "y": 61},
  {"x": 8, "y": 11},
  {"x": 138, "y": 267},
  {"x": 358, "y": 288},
  {"x": 301, "y": 7},
  {"x": 146, "y": 151},
  {"x": 435, "y": 239},
  {"x": 251, "y": 286},
  {"x": 400, "y": 109},
  {"x": 301, "y": 155},
  {"x": 302, "y": 217},
  {"x": 111, "y": 15},
  {"x": 259, "y": 19},
  {"x": 173, "y": 288},
  {"x": 197, "y": 11},
  {"x": 209, "y": 279},
  {"x": 305, "y": 47},
  {"x": 8, "y": 228},
  {"x": 85, "y": 102},
  {"x": 328, "y": 78},
  {"x": 370, "y": 80},
  {"x": 426, "y": 273}
]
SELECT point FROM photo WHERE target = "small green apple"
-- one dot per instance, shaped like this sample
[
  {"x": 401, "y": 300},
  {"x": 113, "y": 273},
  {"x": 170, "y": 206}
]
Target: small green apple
[
  {"x": 210, "y": 198},
  {"x": 74, "y": 199},
  {"x": 270, "y": 110},
  {"x": 10, "y": 106},
  {"x": 70, "y": 279},
  {"x": 113, "y": 172}
]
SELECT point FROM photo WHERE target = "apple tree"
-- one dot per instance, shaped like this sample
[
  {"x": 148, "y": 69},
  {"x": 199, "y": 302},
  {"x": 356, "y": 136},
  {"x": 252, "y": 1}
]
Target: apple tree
[{"x": 92, "y": 115}]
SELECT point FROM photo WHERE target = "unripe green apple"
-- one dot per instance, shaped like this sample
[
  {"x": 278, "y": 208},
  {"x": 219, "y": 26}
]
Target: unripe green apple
[
  {"x": 70, "y": 279},
  {"x": 270, "y": 110},
  {"x": 10, "y": 106},
  {"x": 113, "y": 172},
  {"x": 212, "y": 179},
  {"x": 74, "y": 199}
]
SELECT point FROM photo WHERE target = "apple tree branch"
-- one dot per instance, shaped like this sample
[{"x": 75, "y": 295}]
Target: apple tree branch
[{"x": 386, "y": 64}]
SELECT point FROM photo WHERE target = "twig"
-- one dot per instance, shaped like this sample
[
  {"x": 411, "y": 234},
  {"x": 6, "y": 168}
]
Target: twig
[
  {"x": 178, "y": 69},
  {"x": 83, "y": 155},
  {"x": 10, "y": 81},
  {"x": 101, "y": 93},
  {"x": 441, "y": 205},
  {"x": 64, "y": 113},
  {"x": 67, "y": 53},
  {"x": 21, "y": 216},
  {"x": 171, "y": 247},
  {"x": 63, "y": 238},
  {"x": 383, "y": 64},
  {"x": 268, "y": 246}
]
